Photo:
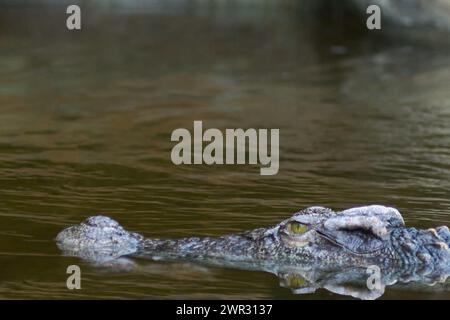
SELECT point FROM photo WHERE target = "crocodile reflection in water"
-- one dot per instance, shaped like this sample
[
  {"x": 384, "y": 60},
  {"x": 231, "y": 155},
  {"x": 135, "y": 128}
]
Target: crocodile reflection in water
[{"x": 315, "y": 248}]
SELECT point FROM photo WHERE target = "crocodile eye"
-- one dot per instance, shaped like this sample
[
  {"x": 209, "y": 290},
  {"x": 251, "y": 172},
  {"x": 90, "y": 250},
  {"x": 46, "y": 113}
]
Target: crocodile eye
[{"x": 297, "y": 228}]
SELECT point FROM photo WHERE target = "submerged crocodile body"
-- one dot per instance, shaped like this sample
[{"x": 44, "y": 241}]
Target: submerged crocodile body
[{"x": 322, "y": 247}]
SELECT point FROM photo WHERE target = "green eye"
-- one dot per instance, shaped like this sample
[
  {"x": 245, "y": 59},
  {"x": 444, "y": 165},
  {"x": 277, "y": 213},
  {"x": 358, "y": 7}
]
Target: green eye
[{"x": 297, "y": 228}]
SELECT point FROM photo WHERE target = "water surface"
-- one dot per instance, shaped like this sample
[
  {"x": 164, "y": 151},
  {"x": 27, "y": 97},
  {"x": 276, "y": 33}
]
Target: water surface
[{"x": 86, "y": 120}]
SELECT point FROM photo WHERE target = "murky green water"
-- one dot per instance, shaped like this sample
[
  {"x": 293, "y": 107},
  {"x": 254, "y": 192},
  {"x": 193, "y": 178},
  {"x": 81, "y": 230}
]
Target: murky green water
[{"x": 86, "y": 119}]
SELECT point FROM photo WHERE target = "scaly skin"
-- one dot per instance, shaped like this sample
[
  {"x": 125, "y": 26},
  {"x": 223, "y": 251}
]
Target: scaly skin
[{"x": 313, "y": 242}]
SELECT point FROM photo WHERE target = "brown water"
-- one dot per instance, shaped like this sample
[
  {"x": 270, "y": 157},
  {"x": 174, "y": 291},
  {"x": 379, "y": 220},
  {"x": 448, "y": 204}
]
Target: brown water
[{"x": 86, "y": 120}]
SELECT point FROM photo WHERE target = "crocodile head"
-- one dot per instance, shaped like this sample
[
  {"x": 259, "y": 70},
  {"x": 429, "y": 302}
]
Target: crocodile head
[
  {"x": 358, "y": 230},
  {"x": 364, "y": 235},
  {"x": 98, "y": 239}
]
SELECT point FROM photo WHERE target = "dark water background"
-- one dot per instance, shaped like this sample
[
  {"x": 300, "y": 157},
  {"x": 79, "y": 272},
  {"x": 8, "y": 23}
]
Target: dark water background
[{"x": 86, "y": 119}]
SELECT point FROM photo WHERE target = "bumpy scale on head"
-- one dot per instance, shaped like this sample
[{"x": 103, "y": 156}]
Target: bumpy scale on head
[{"x": 100, "y": 237}]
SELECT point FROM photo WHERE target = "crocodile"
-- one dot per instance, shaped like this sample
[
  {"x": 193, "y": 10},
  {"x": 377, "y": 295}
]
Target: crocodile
[{"x": 315, "y": 248}]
